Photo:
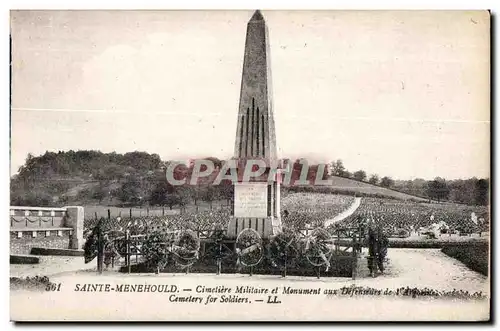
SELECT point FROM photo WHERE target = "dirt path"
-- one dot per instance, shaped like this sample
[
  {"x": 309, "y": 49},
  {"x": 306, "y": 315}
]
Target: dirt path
[
  {"x": 346, "y": 213},
  {"x": 426, "y": 268}
]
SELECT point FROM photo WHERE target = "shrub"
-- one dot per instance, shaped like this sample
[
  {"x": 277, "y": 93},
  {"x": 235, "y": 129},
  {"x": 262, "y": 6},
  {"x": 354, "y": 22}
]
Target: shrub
[
  {"x": 37, "y": 283},
  {"x": 156, "y": 249},
  {"x": 475, "y": 256}
]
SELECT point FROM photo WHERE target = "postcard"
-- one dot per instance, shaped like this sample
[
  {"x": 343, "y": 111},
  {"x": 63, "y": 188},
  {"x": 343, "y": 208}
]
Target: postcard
[{"x": 264, "y": 165}]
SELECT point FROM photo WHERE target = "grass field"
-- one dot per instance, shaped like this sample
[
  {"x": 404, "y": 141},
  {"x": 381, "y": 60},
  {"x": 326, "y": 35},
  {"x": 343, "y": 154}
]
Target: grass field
[{"x": 357, "y": 187}]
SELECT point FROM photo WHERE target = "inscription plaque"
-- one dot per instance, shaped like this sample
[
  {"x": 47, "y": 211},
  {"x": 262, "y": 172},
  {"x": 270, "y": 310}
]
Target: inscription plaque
[{"x": 250, "y": 200}]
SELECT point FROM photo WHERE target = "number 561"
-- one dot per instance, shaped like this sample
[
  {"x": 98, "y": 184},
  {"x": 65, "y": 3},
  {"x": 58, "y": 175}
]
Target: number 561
[{"x": 53, "y": 287}]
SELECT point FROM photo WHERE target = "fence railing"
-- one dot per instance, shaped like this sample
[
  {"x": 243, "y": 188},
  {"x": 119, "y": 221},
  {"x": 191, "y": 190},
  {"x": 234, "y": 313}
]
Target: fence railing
[{"x": 306, "y": 248}]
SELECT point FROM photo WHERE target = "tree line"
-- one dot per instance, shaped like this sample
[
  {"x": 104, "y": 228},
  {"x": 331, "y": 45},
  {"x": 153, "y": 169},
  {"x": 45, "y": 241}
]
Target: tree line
[
  {"x": 138, "y": 179},
  {"x": 472, "y": 191}
]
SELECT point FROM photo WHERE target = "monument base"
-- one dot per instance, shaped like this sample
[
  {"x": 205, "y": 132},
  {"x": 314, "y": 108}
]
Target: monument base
[
  {"x": 265, "y": 227},
  {"x": 256, "y": 206}
]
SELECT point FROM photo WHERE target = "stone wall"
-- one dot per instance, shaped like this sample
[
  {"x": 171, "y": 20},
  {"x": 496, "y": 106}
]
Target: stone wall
[
  {"x": 45, "y": 227},
  {"x": 23, "y": 241}
]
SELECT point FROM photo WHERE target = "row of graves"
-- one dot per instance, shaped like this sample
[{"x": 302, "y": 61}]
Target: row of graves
[{"x": 403, "y": 219}]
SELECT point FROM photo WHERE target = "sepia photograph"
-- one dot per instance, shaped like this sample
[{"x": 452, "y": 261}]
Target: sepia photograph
[{"x": 250, "y": 165}]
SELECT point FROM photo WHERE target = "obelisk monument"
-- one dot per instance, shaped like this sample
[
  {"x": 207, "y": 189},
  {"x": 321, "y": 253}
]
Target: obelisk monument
[{"x": 256, "y": 203}]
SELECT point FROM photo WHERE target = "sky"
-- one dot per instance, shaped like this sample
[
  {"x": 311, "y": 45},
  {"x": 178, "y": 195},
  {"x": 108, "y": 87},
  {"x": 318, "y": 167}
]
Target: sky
[{"x": 402, "y": 94}]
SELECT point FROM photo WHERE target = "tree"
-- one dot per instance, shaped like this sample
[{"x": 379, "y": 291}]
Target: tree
[
  {"x": 171, "y": 200},
  {"x": 159, "y": 194},
  {"x": 209, "y": 194},
  {"x": 183, "y": 195},
  {"x": 482, "y": 187},
  {"x": 84, "y": 194},
  {"x": 165, "y": 194},
  {"x": 374, "y": 179},
  {"x": 194, "y": 192},
  {"x": 360, "y": 175},
  {"x": 438, "y": 189},
  {"x": 226, "y": 190},
  {"x": 131, "y": 192},
  {"x": 337, "y": 168},
  {"x": 38, "y": 198},
  {"x": 387, "y": 182},
  {"x": 111, "y": 172},
  {"x": 100, "y": 192},
  {"x": 462, "y": 191}
]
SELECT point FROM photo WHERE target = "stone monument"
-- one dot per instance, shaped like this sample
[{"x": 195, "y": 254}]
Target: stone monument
[{"x": 256, "y": 202}]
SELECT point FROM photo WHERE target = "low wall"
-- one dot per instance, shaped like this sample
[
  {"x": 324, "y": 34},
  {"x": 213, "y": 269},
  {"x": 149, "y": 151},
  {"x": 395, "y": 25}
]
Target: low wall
[
  {"x": 24, "y": 259},
  {"x": 45, "y": 227},
  {"x": 21, "y": 242},
  {"x": 57, "y": 251}
]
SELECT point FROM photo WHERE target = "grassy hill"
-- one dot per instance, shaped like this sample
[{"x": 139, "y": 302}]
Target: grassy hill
[
  {"x": 84, "y": 177},
  {"x": 353, "y": 186}
]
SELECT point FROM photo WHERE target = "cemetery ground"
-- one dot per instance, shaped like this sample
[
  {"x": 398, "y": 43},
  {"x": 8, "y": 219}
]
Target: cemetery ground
[
  {"x": 420, "y": 268},
  {"x": 413, "y": 267}
]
